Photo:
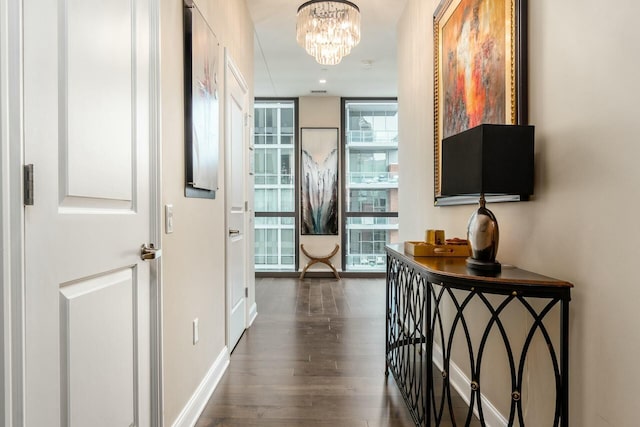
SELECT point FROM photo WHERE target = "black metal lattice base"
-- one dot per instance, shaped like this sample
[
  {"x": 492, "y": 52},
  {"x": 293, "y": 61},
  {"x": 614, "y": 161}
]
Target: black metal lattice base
[{"x": 426, "y": 310}]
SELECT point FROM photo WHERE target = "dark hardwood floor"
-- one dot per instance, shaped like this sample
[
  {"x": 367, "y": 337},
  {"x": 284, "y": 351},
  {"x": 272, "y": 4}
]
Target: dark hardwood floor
[{"x": 314, "y": 357}]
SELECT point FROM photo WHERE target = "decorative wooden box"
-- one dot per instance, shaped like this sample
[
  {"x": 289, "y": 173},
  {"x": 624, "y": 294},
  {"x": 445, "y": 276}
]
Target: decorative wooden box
[{"x": 426, "y": 249}]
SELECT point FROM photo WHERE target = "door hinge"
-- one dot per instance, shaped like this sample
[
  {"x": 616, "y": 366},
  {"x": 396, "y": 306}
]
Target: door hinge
[
  {"x": 246, "y": 292},
  {"x": 246, "y": 206},
  {"x": 28, "y": 185}
]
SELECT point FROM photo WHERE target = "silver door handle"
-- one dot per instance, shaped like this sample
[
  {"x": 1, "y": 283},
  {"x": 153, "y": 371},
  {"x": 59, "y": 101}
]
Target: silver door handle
[
  {"x": 149, "y": 252},
  {"x": 232, "y": 232}
]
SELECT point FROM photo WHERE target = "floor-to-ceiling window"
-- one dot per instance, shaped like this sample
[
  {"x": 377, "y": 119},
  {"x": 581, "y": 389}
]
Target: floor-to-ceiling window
[
  {"x": 275, "y": 184},
  {"x": 370, "y": 192}
]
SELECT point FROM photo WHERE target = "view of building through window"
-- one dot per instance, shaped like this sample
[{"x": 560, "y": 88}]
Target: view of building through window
[
  {"x": 371, "y": 182},
  {"x": 274, "y": 169}
]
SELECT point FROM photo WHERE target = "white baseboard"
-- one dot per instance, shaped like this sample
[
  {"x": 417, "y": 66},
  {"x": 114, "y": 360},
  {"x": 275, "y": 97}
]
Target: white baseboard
[
  {"x": 462, "y": 384},
  {"x": 194, "y": 407},
  {"x": 253, "y": 313}
]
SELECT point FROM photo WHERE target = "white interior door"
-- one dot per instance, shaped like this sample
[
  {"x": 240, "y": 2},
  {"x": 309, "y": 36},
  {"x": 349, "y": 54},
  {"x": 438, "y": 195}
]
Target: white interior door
[
  {"x": 87, "y": 133},
  {"x": 236, "y": 134}
]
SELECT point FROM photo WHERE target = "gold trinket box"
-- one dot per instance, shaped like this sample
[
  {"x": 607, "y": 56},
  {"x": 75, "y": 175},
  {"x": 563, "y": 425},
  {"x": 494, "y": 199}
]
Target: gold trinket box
[{"x": 427, "y": 249}]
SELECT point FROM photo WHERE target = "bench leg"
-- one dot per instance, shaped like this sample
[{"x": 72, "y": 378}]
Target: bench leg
[
  {"x": 306, "y": 267},
  {"x": 322, "y": 259}
]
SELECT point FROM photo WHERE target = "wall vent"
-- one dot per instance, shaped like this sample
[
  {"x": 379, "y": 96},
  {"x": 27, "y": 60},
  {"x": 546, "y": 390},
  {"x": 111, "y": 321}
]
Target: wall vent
[{"x": 318, "y": 91}]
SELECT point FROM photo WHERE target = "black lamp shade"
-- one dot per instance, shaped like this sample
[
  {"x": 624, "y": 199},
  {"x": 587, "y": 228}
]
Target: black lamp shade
[{"x": 489, "y": 159}]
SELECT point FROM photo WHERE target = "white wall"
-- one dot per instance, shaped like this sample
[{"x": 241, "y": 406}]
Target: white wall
[
  {"x": 321, "y": 111},
  {"x": 194, "y": 255},
  {"x": 581, "y": 225}
]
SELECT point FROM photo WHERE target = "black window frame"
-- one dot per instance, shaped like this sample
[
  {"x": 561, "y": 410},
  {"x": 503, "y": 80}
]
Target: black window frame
[
  {"x": 345, "y": 213},
  {"x": 295, "y": 214}
]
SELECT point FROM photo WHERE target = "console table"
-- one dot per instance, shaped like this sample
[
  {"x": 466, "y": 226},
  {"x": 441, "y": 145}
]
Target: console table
[{"x": 429, "y": 300}]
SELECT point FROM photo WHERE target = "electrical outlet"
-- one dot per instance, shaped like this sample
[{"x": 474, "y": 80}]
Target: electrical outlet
[{"x": 196, "y": 332}]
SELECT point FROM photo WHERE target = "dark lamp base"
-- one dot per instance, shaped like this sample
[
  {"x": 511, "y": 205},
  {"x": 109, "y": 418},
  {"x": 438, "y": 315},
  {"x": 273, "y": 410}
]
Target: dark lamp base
[{"x": 475, "y": 264}]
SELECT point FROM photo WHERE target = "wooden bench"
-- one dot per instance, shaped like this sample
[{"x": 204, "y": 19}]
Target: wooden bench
[{"x": 324, "y": 259}]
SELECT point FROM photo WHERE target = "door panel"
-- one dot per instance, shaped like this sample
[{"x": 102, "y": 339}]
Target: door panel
[
  {"x": 236, "y": 93},
  {"x": 97, "y": 346},
  {"x": 86, "y": 113},
  {"x": 96, "y": 97}
]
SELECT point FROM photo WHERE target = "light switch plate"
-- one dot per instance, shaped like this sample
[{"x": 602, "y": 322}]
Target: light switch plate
[
  {"x": 196, "y": 331},
  {"x": 168, "y": 219}
]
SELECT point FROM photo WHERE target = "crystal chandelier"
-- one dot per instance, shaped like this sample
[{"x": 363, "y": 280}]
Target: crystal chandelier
[{"x": 328, "y": 29}]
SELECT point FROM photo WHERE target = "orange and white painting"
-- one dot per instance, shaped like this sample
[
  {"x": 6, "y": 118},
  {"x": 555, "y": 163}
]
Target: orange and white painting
[{"x": 474, "y": 65}]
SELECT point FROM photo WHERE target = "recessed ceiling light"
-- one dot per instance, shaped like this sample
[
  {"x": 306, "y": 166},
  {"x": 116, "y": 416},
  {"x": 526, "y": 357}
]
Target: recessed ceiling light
[{"x": 322, "y": 81}]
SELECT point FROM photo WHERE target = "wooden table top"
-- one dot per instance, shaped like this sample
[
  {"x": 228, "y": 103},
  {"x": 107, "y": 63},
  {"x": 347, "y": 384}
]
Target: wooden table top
[{"x": 456, "y": 267}]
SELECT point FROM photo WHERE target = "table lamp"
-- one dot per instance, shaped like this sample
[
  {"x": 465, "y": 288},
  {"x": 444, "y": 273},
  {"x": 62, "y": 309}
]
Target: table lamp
[{"x": 487, "y": 160}]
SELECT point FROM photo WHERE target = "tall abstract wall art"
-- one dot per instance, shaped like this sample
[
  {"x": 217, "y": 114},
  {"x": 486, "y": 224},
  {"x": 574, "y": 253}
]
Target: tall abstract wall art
[
  {"x": 201, "y": 105},
  {"x": 319, "y": 180}
]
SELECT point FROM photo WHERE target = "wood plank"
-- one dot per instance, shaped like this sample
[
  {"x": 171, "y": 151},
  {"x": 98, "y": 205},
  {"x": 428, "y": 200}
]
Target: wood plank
[{"x": 314, "y": 357}]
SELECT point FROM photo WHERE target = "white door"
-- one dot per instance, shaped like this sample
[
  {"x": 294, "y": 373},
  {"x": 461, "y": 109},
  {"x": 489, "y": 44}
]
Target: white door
[
  {"x": 236, "y": 134},
  {"x": 87, "y": 133}
]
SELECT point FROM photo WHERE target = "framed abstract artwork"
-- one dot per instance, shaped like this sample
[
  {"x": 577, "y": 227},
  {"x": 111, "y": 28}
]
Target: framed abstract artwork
[
  {"x": 480, "y": 70},
  {"x": 319, "y": 180},
  {"x": 202, "y": 123}
]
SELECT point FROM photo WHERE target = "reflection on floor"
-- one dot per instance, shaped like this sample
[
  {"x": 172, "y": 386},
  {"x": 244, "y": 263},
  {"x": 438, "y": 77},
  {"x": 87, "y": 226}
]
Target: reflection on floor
[{"x": 313, "y": 357}]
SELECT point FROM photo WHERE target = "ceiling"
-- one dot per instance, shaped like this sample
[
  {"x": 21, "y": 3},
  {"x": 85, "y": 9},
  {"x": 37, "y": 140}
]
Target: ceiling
[{"x": 284, "y": 69}]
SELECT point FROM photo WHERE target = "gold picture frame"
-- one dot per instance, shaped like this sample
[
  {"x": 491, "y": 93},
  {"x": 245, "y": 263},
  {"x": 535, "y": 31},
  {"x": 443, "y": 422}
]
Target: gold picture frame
[{"x": 480, "y": 70}]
